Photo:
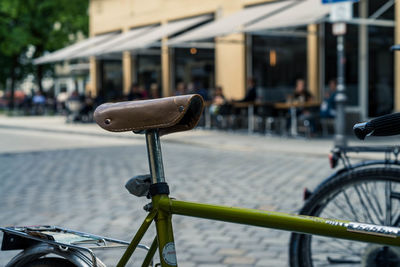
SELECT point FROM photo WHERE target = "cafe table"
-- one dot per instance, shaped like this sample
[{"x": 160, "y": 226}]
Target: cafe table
[
  {"x": 292, "y": 108},
  {"x": 250, "y": 106}
]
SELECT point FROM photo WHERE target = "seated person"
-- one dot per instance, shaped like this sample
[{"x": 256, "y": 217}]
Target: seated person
[
  {"x": 218, "y": 101},
  {"x": 328, "y": 105},
  {"x": 302, "y": 95},
  {"x": 251, "y": 94}
]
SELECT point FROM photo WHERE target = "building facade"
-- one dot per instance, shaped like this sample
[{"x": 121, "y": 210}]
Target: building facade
[{"x": 275, "y": 60}]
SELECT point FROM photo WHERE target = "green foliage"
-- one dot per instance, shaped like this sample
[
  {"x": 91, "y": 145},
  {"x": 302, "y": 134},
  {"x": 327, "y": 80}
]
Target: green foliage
[{"x": 46, "y": 25}]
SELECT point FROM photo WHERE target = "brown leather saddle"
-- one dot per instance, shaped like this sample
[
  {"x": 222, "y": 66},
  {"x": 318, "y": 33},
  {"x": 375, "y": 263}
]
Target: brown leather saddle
[{"x": 168, "y": 115}]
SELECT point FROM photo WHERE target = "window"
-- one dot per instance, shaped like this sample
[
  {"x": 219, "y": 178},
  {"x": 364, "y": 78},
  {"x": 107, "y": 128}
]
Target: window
[
  {"x": 111, "y": 84},
  {"x": 149, "y": 71},
  {"x": 277, "y": 62},
  {"x": 381, "y": 63},
  {"x": 195, "y": 66}
]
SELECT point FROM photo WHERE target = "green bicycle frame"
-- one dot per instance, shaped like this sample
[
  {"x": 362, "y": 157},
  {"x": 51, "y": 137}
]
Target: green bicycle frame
[{"x": 164, "y": 207}]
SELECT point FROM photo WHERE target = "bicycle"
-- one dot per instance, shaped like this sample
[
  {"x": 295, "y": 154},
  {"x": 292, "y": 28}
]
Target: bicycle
[
  {"x": 348, "y": 194},
  {"x": 155, "y": 118}
]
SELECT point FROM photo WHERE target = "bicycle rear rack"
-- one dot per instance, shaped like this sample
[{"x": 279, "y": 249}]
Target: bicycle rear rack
[{"x": 26, "y": 236}]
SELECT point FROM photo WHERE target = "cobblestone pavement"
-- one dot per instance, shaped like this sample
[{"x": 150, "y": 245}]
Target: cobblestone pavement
[{"x": 83, "y": 189}]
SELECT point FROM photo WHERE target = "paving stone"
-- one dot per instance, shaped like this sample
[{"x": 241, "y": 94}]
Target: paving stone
[
  {"x": 231, "y": 252},
  {"x": 270, "y": 263},
  {"x": 208, "y": 265},
  {"x": 188, "y": 263},
  {"x": 207, "y": 259},
  {"x": 83, "y": 189},
  {"x": 239, "y": 260}
]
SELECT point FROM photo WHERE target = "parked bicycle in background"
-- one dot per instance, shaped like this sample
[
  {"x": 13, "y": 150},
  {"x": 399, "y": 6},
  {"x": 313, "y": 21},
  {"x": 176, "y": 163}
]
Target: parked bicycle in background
[{"x": 366, "y": 191}]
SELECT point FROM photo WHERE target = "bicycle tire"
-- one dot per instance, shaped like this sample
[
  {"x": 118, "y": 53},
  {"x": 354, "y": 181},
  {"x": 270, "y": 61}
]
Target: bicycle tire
[
  {"x": 50, "y": 262},
  {"x": 356, "y": 196}
]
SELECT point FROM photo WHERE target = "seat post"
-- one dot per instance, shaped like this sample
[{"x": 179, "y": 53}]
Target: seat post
[{"x": 155, "y": 157}]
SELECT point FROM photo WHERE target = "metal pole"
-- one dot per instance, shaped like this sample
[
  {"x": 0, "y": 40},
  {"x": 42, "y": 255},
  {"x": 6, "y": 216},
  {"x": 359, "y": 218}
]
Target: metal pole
[
  {"x": 363, "y": 61},
  {"x": 340, "y": 137},
  {"x": 250, "y": 115}
]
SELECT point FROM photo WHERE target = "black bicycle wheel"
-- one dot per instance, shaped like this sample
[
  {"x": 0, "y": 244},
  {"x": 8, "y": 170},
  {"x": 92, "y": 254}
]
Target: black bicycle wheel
[
  {"x": 366, "y": 195},
  {"x": 50, "y": 262}
]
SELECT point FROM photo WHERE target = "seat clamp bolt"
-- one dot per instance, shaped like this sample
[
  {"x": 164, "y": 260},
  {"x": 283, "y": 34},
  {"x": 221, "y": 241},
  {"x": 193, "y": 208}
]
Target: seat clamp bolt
[{"x": 181, "y": 108}]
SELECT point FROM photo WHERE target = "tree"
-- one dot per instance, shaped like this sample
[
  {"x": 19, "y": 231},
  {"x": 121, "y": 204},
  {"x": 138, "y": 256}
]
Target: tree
[{"x": 41, "y": 25}]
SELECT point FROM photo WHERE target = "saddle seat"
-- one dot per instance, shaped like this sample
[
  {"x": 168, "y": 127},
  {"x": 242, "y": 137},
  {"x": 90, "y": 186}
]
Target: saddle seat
[{"x": 168, "y": 115}]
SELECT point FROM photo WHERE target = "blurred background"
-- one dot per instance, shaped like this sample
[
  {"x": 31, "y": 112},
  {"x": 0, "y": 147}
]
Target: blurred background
[
  {"x": 127, "y": 49},
  {"x": 268, "y": 70}
]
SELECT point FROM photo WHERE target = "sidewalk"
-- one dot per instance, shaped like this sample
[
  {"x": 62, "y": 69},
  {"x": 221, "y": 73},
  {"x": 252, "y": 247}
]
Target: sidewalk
[
  {"x": 80, "y": 187},
  {"x": 221, "y": 140}
]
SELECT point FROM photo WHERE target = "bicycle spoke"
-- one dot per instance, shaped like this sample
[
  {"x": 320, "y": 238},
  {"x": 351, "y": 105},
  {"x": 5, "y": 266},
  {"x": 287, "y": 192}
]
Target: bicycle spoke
[
  {"x": 335, "y": 211},
  {"x": 341, "y": 207},
  {"x": 338, "y": 252},
  {"x": 368, "y": 196},
  {"x": 341, "y": 210},
  {"x": 388, "y": 202},
  {"x": 397, "y": 221},
  {"x": 348, "y": 202},
  {"x": 395, "y": 195},
  {"x": 374, "y": 197},
  {"x": 365, "y": 208},
  {"x": 371, "y": 205}
]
